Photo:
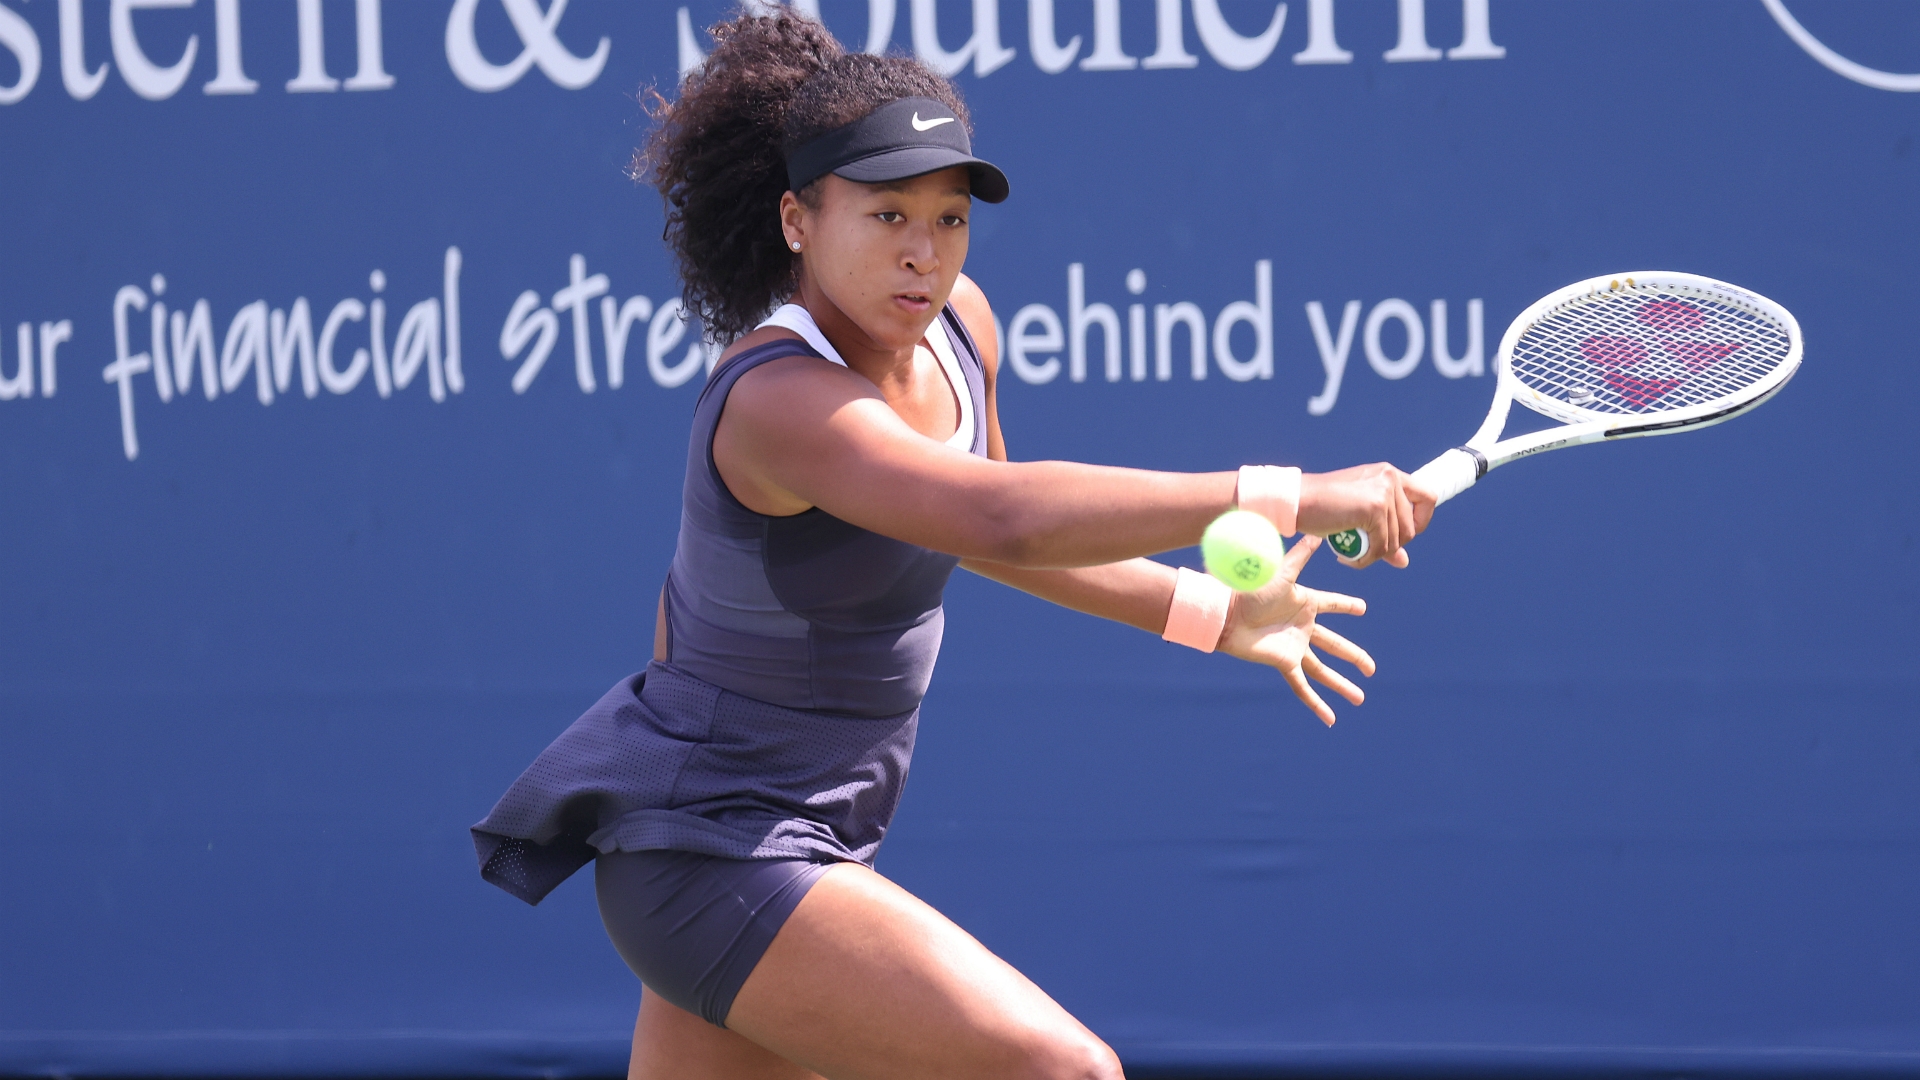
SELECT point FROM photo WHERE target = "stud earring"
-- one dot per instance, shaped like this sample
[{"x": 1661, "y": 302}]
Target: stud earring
[{"x": 796, "y": 245}]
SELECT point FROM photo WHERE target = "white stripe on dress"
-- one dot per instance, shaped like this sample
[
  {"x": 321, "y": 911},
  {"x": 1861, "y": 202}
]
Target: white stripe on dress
[{"x": 799, "y": 320}]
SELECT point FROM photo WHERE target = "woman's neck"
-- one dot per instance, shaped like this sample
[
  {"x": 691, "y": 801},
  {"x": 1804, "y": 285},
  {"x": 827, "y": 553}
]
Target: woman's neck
[{"x": 879, "y": 363}]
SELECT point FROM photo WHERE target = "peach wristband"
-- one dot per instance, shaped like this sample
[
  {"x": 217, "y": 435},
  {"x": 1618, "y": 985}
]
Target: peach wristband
[
  {"x": 1199, "y": 611},
  {"x": 1273, "y": 492}
]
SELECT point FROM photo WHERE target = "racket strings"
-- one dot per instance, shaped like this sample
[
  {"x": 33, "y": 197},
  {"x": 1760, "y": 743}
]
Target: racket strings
[{"x": 1648, "y": 349}]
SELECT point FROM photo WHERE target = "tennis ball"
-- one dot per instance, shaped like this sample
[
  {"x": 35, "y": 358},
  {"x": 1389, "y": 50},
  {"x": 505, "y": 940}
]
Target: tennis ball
[{"x": 1242, "y": 549}]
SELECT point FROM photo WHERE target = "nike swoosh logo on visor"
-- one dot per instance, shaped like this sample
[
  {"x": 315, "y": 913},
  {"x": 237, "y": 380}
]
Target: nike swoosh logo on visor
[{"x": 928, "y": 125}]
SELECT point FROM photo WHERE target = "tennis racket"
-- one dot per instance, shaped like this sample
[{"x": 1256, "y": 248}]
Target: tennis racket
[{"x": 1620, "y": 357}]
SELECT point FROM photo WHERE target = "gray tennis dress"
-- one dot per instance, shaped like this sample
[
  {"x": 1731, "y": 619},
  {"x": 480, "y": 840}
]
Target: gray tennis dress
[{"x": 782, "y": 722}]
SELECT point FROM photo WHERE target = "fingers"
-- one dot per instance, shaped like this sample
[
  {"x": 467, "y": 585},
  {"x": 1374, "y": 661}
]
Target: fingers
[
  {"x": 1296, "y": 557},
  {"x": 1336, "y": 646},
  {"x": 1397, "y": 520},
  {"x": 1377, "y": 497},
  {"x": 1397, "y": 557},
  {"x": 1381, "y": 541},
  {"x": 1327, "y": 676},
  {"x": 1333, "y": 603},
  {"x": 1386, "y": 536},
  {"x": 1424, "y": 504},
  {"x": 1303, "y": 690},
  {"x": 1396, "y": 517},
  {"x": 1403, "y": 507},
  {"x": 1383, "y": 515}
]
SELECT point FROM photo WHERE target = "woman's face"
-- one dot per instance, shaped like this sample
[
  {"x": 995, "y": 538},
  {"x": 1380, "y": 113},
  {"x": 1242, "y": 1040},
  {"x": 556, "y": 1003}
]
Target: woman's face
[{"x": 886, "y": 255}]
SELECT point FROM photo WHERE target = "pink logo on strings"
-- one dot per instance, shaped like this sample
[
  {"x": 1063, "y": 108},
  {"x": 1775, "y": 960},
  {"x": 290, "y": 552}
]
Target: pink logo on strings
[
  {"x": 1698, "y": 354},
  {"x": 1608, "y": 351},
  {"x": 1671, "y": 315},
  {"x": 1613, "y": 355}
]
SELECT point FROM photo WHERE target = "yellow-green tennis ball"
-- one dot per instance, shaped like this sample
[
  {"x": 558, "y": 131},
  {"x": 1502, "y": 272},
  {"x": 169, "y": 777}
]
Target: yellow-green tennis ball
[{"x": 1242, "y": 549}]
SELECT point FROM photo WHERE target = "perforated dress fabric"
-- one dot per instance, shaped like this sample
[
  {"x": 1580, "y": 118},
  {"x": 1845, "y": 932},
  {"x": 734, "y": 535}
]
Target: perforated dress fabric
[
  {"x": 666, "y": 760},
  {"x": 781, "y": 725}
]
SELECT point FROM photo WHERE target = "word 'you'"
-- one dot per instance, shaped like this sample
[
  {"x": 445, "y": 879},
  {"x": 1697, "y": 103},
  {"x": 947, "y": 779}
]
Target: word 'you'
[{"x": 1147, "y": 347}]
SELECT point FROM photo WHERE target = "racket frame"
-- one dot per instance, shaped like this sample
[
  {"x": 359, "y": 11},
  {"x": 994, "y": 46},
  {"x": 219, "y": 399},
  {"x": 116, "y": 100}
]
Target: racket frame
[{"x": 1460, "y": 468}]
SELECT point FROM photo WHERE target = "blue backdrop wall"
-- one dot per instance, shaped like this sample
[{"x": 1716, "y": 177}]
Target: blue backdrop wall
[{"x": 1637, "y": 785}]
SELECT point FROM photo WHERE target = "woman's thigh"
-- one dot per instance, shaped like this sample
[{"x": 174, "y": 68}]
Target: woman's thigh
[
  {"x": 693, "y": 926},
  {"x": 866, "y": 982},
  {"x": 670, "y": 1043}
]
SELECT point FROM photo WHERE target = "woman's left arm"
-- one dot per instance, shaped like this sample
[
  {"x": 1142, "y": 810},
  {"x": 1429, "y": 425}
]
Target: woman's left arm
[{"x": 1275, "y": 626}]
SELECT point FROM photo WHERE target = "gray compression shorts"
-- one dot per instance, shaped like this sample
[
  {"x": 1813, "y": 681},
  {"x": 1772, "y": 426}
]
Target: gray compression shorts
[{"x": 693, "y": 926}]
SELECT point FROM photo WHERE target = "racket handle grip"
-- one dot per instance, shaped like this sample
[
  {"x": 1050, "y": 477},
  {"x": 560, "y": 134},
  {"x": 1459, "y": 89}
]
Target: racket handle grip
[{"x": 1445, "y": 476}]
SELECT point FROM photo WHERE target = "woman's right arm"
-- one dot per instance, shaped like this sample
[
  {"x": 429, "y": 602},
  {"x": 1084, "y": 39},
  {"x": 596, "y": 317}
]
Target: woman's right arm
[{"x": 797, "y": 433}]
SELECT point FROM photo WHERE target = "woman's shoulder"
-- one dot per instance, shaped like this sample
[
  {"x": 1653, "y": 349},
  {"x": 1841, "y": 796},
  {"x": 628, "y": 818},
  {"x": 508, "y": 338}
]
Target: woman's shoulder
[
  {"x": 970, "y": 303},
  {"x": 762, "y": 336},
  {"x": 768, "y": 371}
]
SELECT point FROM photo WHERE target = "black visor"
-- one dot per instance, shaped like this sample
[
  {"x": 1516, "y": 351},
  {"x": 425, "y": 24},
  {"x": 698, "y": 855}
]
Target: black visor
[{"x": 904, "y": 138}]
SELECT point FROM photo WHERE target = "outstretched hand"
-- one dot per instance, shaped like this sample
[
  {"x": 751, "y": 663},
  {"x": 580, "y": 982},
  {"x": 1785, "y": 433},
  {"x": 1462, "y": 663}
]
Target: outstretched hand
[{"x": 1276, "y": 626}]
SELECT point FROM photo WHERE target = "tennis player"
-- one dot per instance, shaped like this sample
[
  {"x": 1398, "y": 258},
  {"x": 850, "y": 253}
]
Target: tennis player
[{"x": 845, "y": 457}]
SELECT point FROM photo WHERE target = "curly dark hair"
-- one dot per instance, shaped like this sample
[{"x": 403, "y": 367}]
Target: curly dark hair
[{"x": 718, "y": 155}]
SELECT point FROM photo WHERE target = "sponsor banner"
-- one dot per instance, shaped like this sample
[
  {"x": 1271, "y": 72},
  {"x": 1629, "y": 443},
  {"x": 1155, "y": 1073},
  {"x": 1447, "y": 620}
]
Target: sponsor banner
[{"x": 344, "y": 384}]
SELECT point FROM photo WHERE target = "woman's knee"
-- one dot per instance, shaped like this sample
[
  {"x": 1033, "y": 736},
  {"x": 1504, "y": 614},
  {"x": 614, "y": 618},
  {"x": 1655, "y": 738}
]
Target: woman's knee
[
  {"x": 1099, "y": 1062},
  {"x": 1078, "y": 1056}
]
